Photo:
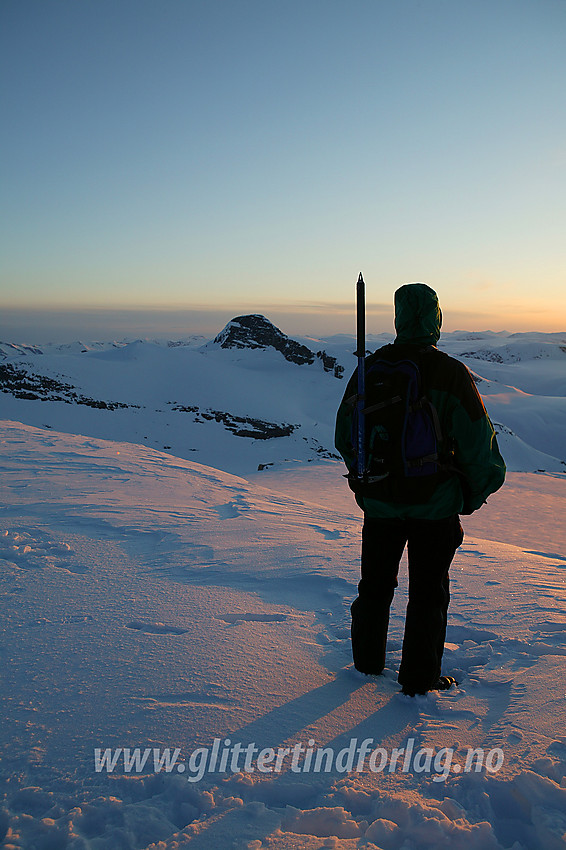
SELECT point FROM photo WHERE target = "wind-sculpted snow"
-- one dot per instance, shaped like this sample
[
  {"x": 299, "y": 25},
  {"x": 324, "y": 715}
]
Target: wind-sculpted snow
[{"x": 165, "y": 622}]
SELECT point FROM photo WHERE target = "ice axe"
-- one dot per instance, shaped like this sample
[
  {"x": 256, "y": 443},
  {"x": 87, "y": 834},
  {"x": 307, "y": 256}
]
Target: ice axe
[{"x": 360, "y": 353}]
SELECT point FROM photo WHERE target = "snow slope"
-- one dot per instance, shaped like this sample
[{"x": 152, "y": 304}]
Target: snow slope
[
  {"x": 254, "y": 397},
  {"x": 154, "y": 602}
]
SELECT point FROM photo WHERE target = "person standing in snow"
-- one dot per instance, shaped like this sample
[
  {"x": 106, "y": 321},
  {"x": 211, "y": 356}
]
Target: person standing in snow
[{"x": 430, "y": 528}]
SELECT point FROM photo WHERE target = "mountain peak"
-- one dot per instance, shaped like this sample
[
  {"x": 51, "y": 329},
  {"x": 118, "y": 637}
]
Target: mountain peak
[{"x": 255, "y": 331}]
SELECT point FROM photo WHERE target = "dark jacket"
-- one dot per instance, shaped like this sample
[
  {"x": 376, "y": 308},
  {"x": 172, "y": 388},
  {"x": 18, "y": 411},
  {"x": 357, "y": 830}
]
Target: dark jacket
[{"x": 465, "y": 424}]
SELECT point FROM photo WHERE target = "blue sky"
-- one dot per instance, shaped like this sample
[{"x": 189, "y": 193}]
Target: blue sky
[{"x": 254, "y": 155}]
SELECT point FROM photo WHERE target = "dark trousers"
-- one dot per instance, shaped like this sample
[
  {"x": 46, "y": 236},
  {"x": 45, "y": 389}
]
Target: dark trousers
[{"x": 431, "y": 548}]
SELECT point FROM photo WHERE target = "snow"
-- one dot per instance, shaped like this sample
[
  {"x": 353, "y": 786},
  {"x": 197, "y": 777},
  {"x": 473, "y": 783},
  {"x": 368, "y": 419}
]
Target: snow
[
  {"x": 160, "y": 393},
  {"x": 168, "y": 602}
]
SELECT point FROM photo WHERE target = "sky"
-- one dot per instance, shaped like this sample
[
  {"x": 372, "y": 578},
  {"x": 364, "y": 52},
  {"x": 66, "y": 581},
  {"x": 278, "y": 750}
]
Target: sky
[{"x": 199, "y": 159}]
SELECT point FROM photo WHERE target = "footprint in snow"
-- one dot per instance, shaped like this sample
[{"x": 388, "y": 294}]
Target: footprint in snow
[
  {"x": 155, "y": 628},
  {"x": 328, "y": 533},
  {"x": 252, "y": 618},
  {"x": 457, "y": 634},
  {"x": 33, "y": 550},
  {"x": 231, "y": 510},
  {"x": 557, "y": 749}
]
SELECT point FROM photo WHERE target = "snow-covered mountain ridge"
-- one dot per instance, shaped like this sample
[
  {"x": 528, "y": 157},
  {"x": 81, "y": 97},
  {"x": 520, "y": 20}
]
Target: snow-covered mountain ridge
[{"x": 252, "y": 396}]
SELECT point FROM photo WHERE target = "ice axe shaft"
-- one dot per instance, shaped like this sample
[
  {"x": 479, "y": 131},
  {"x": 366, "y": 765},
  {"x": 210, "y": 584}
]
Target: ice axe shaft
[{"x": 361, "y": 354}]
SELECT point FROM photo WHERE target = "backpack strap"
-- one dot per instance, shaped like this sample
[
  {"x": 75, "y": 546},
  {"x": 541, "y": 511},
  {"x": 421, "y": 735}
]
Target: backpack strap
[
  {"x": 424, "y": 402},
  {"x": 432, "y": 458},
  {"x": 382, "y": 404}
]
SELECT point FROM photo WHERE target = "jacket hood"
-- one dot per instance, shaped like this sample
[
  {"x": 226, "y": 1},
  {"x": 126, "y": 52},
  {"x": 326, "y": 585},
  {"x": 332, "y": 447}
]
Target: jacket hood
[{"x": 418, "y": 316}]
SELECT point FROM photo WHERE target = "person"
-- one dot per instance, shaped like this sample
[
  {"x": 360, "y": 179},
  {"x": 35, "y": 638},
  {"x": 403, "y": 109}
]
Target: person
[{"x": 431, "y": 528}]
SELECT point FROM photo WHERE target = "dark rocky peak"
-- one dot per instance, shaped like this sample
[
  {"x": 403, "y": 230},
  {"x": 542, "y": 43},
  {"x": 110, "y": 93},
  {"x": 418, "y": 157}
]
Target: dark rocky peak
[{"x": 255, "y": 331}]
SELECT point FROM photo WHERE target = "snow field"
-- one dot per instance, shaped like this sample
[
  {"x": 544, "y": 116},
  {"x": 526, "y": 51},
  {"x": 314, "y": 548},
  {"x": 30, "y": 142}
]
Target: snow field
[
  {"x": 193, "y": 400},
  {"x": 156, "y": 603}
]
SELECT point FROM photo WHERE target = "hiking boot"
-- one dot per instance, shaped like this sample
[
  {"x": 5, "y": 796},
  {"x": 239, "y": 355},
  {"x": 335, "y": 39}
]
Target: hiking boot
[{"x": 443, "y": 683}]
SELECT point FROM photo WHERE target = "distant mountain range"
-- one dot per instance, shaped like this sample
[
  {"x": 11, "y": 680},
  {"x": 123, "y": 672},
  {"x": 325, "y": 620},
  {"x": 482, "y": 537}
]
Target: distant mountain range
[{"x": 254, "y": 397}]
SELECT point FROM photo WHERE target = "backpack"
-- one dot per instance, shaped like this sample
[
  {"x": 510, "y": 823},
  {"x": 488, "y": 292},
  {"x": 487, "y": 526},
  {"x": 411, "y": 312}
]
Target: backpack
[{"x": 405, "y": 453}]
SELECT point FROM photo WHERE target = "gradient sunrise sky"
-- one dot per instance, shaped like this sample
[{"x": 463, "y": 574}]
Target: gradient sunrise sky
[{"x": 204, "y": 158}]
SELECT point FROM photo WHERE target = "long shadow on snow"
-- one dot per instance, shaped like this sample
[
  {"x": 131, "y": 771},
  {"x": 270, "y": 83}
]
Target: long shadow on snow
[{"x": 286, "y": 721}]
